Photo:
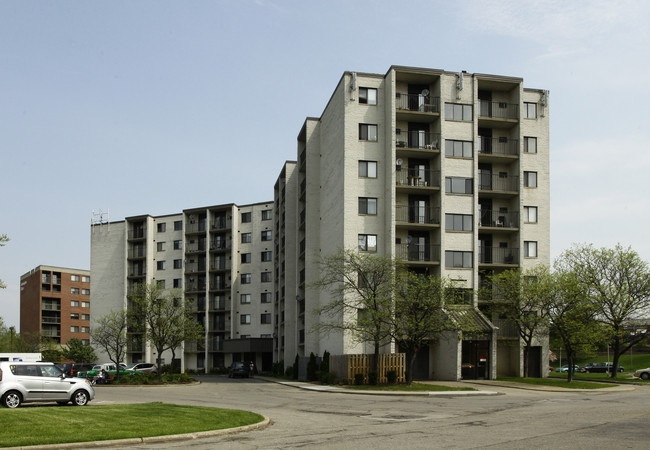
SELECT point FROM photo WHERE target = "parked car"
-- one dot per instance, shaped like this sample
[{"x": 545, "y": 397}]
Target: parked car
[
  {"x": 24, "y": 382},
  {"x": 97, "y": 369},
  {"x": 72, "y": 369},
  {"x": 142, "y": 368},
  {"x": 601, "y": 367},
  {"x": 566, "y": 368},
  {"x": 238, "y": 369},
  {"x": 644, "y": 374}
]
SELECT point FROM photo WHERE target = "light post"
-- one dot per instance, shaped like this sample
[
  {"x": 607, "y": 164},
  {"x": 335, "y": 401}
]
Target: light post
[{"x": 12, "y": 330}]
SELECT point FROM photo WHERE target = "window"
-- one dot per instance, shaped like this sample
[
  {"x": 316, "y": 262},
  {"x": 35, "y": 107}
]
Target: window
[
  {"x": 266, "y": 297},
  {"x": 265, "y": 318},
  {"x": 267, "y": 235},
  {"x": 458, "y": 149},
  {"x": 368, "y": 169},
  {"x": 178, "y": 225},
  {"x": 530, "y": 144},
  {"x": 245, "y": 258},
  {"x": 456, "y": 111},
  {"x": 85, "y": 292},
  {"x": 367, "y": 132},
  {"x": 85, "y": 317},
  {"x": 245, "y": 299},
  {"x": 178, "y": 264},
  {"x": 74, "y": 277},
  {"x": 458, "y": 259},
  {"x": 530, "y": 179},
  {"x": 246, "y": 238},
  {"x": 458, "y": 222},
  {"x": 160, "y": 265},
  {"x": 530, "y": 110},
  {"x": 368, "y": 205},
  {"x": 85, "y": 329},
  {"x": 245, "y": 319},
  {"x": 178, "y": 245},
  {"x": 245, "y": 278},
  {"x": 85, "y": 304},
  {"x": 161, "y": 284},
  {"x": 368, "y": 242},
  {"x": 246, "y": 217},
  {"x": 267, "y": 214},
  {"x": 85, "y": 341},
  {"x": 74, "y": 316},
  {"x": 530, "y": 249},
  {"x": 74, "y": 303},
  {"x": 530, "y": 214},
  {"x": 267, "y": 256},
  {"x": 368, "y": 96},
  {"x": 160, "y": 246},
  {"x": 178, "y": 283},
  {"x": 457, "y": 185},
  {"x": 85, "y": 279},
  {"x": 162, "y": 227},
  {"x": 267, "y": 277},
  {"x": 74, "y": 329},
  {"x": 74, "y": 290}
]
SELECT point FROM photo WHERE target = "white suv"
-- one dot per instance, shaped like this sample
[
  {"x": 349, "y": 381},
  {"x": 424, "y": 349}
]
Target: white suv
[{"x": 22, "y": 382}]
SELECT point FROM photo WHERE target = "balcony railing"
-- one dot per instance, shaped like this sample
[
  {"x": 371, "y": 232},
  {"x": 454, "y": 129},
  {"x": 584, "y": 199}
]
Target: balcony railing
[
  {"x": 215, "y": 344},
  {"x": 190, "y": 268},
  {"x": 417, "y": 102},
  {"x": 50, "y": 320},
  {"x": 219, "y": 223},
  {"x": 219, "y": 245},
  {"x": 497, "y": 146},
  {"x": 499, "y": 219},
  {"x": 138, "y": 233},
  {"x": 219, "y": 264},
  {"x": 219, "y": 305},
  {"x": 195, "y": 227},
  {"x": 498, "y": 255},
  {"x": 51, "y": 333},
  {"x": 194, "y": 347},
  {"x": 497, "y": 182},
  {"x": 193, "y": 248},
  {"x": 498, "y": 110},
  {"x": 415, "y": 214},
  {"x": 418, "y": 252},
  {"x": 137, "y": 252},
  {"x": 507, "y": 329},
  {"x": 51, "y": 307},
  {"x": 195, "y": 287},
  {"x": 418, "y": 177},
  {"x": 418, "y": 139}
]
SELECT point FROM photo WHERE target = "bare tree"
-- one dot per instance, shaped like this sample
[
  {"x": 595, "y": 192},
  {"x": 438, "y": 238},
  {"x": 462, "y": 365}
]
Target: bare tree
[{"x": 110, "y": 335}]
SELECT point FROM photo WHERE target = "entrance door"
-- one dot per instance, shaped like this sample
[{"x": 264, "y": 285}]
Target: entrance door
[
  {"x": 476, "y": 360},
  {"x": 535, "y": 361}
]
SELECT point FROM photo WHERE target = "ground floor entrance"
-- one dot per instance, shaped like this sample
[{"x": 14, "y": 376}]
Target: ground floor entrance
[{"x": 475, "y": 360}]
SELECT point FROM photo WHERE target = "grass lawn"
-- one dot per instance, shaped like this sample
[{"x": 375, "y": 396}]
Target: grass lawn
[
  {"x": 620, "y": 377},
  {"x": 558, "y": 382},
  {"x": 412, "y": 387},
  {"x": 40, "y": 425}
]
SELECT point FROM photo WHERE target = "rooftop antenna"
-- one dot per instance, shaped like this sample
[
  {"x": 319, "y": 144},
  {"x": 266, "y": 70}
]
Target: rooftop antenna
[
  {"x": 99, "y": 218},
  {"x": 353, "y": 86}
]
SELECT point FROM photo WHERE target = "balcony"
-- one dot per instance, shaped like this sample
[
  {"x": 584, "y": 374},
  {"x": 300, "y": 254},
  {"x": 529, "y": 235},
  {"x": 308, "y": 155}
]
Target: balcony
[
  {"x": 219, "y": 246},
  {"x": 135, "y": 347},
  {"x": 417, "y": 143},
  {"x": 498, "y": 185},
  {"x": 50, "y": 320},
  {"x": 195, "y": 287},
  {"x": 137, "y": 273},
  {"x": 500, "y": 220},
  {"x": 219, "y": 223},
  {"x": 417, "y": 107},
  {"x": 137, "y": 253},
  {"x": 215, "y": 344},
  {"x": 194, "y": 347},
  {"x": 426, "y": 253},
  {"x": 417, "y": 179},
  {"x": 497, "y": 114},
  {"x": 219, "y": 305},
  {"x": 497, "y": 149},
  {"x": 426, "y": 216},
  {"x": 51, "y": 307},
  {"x": 51, "y": 333},
  {"x": 138, "y": 233},
  {"x": 195, "y": 227},
  {"x": 498, "y": 256},
  {"x": 219, "y": 264},
  {"x": 194, "y": 267}
]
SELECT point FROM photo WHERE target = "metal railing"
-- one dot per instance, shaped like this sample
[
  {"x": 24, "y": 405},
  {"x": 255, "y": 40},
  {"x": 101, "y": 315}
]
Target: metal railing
[
  {"x": 488, "y": 181},
  {"x": 418, "y": 177},
  {"x": 498, "y": 110},
  {"x": 506, "y": 328},
  {"x": 195, "y": 227},
  {"x": 51, "y": 307},
  {"x": 137, "y": 252},
  {"x": 417, "y": 102},
  {"x": 497, "y": 146},
  {"x": 416, "y": 214},
  {"x": 498, "y": 255},
  {"x": 418, "y": 252},
  {"x": 499, "y": 219},
  {"x": 51, "y": 320},
  {"x": 418, "y": 139},
  {"x": 193, "y": 248},
  {"x": 139, "y": 233}
]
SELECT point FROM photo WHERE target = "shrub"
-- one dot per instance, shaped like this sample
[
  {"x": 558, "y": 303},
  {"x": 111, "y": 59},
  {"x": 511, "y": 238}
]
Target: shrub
[
  {"x": 289, "y": 372},
  {"x": 278, "y": 368},
  {"x": 344, "y": 381},
  {"x": 312, "y": 367},
  {"x": 327, "y": 377},
  {"x": 391, "y": 376},
  {"x": 296, "y": 367},
  {"x": 358, "y": 379},
  {"x": 325, "y": 363},
  {"x": 372, "y": 378}
]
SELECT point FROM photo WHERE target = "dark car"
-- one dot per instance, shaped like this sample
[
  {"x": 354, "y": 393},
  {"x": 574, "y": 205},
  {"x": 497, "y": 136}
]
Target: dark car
[
  {"x": 601, "y": 367},
  {"x": 72, "y": 369},
  {"x": 238, "y": 369}
]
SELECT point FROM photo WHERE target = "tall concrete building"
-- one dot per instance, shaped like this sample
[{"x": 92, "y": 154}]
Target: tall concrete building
[
  {"x": 55, "y": 304},
  {"x": 220, "y": 257},
  {"x": 448, "y": 171}
]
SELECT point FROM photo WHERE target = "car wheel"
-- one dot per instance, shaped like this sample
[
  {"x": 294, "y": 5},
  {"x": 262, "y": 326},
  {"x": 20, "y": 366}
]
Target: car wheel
[
  {"x": 645, "y": 376},
  {"x": 80, "y": 398},
  {"x": 12, "y": 399}
]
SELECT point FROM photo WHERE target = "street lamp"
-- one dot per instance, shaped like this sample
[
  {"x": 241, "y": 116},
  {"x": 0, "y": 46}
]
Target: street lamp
[{"x": 12, "y": 330}]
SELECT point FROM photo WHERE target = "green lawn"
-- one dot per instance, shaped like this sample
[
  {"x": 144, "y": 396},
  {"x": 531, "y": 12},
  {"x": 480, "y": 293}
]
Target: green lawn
[
  {"x": 40, "y": 425},
  {"x": 558, "y": 382},
  {"x": 630, "y": 362},
  {"x": 412, "y": 387}
]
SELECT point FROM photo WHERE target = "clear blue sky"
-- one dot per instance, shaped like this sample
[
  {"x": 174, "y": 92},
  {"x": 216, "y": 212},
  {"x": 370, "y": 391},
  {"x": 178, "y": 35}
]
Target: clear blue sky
[{"x": 152, "y": 107}]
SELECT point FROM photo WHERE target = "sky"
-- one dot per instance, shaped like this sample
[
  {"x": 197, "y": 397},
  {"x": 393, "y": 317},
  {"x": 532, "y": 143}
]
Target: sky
[{"x": 152, "y": 107}]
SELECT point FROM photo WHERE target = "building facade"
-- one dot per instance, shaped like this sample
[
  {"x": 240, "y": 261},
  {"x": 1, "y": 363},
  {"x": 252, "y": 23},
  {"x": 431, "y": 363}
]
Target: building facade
[
  {"x": 220, "y": 258},
  {"x": 55, "y": 304},
  {"x": 446, "y": 171}
]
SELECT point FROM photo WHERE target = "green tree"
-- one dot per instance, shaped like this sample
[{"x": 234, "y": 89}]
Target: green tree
[
  {"x": 3, "y": 241},
  {"x": 522, "y": 297},
  {"x": 110, "y": 335},
  {"x": 78, "y": 352},
  {"x": 617, "y": 282},
  {"x": 51, "y": 351},
  {"x": 418, "y": 316},
  {"x": 361, "y": 288},
  {"x": 163, "y": 319}
]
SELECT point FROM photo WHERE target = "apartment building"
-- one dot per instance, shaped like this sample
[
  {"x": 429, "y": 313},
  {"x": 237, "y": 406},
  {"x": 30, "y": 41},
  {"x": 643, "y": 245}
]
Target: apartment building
[
  {"x": 448, "y": 171},
  {"x": 219, "y": 257},
  {"x": 55, "y": 304}
]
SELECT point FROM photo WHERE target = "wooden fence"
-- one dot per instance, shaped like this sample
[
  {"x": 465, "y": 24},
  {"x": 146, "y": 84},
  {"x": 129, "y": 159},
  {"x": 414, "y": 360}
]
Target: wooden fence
[{"x": 347, "y": 366}]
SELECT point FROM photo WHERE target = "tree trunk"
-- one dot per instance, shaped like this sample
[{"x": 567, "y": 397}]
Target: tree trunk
[
  {"x": 617, "y": 356},
  {"x": 410, "y": 357},
  {"x": 375, "y": 363}
]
